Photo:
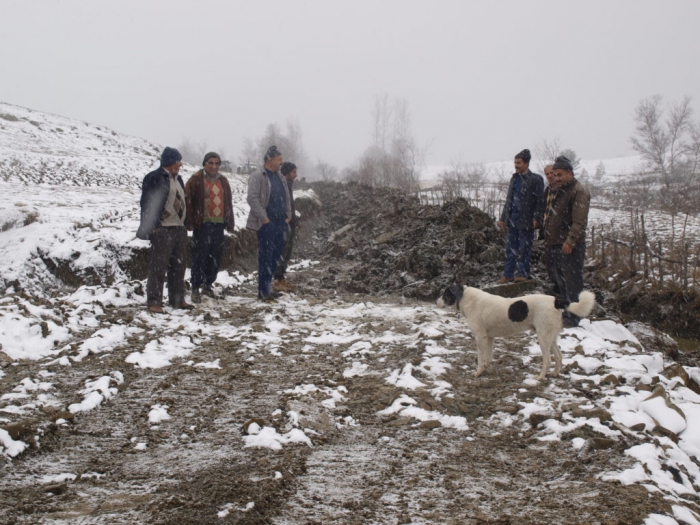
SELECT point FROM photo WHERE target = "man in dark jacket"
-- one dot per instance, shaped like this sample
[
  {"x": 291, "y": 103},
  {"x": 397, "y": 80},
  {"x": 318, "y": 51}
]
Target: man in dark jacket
[
  {"x": 565, "y": 221},
  {"x": 280, "y": 284},
  {"x": 163, "y": 215},
  {"x": 270, "y": 213},
  {"x": 209, "y": 213},
  {"x": 522, "y": 215}
]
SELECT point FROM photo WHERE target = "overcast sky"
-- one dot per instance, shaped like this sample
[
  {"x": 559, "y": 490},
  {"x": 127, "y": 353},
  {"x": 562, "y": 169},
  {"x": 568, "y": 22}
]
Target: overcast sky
[{"x": 482, "y": 79}]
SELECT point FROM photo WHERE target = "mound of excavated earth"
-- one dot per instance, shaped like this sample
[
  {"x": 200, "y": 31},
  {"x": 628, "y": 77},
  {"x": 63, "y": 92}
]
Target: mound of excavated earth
[{"x": 390, "y": 243}]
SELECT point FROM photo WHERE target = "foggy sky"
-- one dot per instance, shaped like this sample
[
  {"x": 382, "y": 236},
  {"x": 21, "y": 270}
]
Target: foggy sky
[{"x": 482, "y": 79}]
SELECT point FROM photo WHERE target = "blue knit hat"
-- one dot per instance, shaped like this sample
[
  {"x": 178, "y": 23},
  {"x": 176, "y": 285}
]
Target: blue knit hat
[
  {"x": 169, "y": 156},
  {"x": 525, "y": 155}
]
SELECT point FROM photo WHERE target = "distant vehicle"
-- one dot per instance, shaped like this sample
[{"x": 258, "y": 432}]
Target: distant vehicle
[
  {"x": 246, "y": 169},
  {"x": 226, "y": 166}
]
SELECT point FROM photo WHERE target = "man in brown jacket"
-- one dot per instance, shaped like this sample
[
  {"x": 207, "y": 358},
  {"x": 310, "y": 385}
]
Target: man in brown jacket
[
  {"x": 209, "y": 213},
  {"x": 565, "y": 221}
]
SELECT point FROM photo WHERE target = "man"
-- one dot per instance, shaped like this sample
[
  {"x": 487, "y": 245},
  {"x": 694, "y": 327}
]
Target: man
[
  {"x": 549, "y": 193},
  {"x": 270, "y": 214},
  {"x": 565, "y": 235},
  {"x": 163, "y": 215},
  {"x": 280, "y": 284},
  {"x": 209, "y": 213},
  {"x": 522, "y": 215}
]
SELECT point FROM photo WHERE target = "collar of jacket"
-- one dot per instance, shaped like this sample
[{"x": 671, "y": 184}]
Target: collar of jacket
[
  {"x": 166, "y": 173},
  {"x": 568, "y": 184}
]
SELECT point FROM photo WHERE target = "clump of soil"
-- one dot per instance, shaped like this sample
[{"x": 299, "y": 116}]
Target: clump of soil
[
  {"x": 398, "y": 245},
  {"x": 675, "y": 312}
]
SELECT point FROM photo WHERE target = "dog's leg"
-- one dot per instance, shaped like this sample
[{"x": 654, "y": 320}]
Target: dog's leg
[
  {"x": 546, "y": 362},
  {"x": 489, "y": 354},
  {"x": 557, "y": 358},
  {"x": 484, "y": 350},
  {"x": 547, "y": 341}
]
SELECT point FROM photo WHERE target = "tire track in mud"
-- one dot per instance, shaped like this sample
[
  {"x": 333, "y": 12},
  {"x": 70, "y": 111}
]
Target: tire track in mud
[{"x": 371, "y": 468}]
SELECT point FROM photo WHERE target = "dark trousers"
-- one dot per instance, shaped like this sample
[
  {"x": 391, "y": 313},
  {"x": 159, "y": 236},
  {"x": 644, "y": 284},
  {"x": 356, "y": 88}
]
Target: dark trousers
[
  {"x": 168, "y": 254},
  {"x": 286, "y": 254},
  {"x": 566, "y": 271},
  {"x": 518, "y": 252},
  {"x": 207, "y": 249},
  {"x": 271, "y": 240}
]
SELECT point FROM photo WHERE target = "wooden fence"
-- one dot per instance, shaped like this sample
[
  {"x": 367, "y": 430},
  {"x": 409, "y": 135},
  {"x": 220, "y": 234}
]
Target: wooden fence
[{"x": 633, "y": 252}]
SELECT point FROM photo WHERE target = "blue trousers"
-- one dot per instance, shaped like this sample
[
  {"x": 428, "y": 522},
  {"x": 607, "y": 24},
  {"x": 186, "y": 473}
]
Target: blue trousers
[
  {"x": 518, "y": 252},
  {"x": 207, "y": 249},
  {"x": 271, "y": 239}
]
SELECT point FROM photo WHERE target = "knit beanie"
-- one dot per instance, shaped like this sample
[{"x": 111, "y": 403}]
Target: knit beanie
[
  {"x": 525, "y": 155},
  {"x": 210, "y": 155},
  {"x": 288, "y": 167},
  {"x": 562, "y": 163},
  {"x": 169, "y": 156},
  {"x": 271, "y": 153}
]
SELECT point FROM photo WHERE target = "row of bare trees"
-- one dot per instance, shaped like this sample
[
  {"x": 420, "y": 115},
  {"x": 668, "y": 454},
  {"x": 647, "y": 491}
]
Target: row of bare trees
[{"x": 394, "y": 159}]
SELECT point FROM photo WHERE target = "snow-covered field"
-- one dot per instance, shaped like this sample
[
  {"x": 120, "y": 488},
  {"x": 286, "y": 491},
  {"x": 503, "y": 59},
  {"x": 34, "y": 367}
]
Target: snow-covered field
[
  {"x": 322, "y": 408},
  {"x": 616, "y": 169}
]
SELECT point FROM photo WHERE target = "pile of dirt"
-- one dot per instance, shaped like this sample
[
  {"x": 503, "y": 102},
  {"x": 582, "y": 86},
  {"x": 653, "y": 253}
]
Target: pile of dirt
[{"x": 394, "y": 244}]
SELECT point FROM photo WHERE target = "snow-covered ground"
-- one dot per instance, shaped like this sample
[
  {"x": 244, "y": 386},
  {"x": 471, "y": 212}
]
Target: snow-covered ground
[{"x": 337, "y": 382}]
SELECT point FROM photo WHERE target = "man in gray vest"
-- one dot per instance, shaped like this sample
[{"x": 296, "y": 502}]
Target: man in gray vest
[{"x": 270, "y": 213}]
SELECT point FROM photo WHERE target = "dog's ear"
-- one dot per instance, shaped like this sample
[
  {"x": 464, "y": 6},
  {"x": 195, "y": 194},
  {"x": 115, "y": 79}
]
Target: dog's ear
[{"x": 455, "y": 292}]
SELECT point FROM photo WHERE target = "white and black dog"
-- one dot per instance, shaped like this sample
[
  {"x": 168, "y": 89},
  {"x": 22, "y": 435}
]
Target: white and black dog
[{"x": 490, "y": 316}]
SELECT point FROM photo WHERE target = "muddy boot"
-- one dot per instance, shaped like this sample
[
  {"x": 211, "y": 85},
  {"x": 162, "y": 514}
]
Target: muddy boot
[
  {"x": 196, "y": 296},
  {"x": 209, "y": 291}
]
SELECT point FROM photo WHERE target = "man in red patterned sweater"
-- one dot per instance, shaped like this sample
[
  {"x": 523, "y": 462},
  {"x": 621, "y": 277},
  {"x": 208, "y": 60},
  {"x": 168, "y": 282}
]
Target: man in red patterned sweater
[{"x": 209, "y": 213}]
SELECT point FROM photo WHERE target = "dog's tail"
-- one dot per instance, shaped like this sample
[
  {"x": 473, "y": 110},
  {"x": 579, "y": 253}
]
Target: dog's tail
[{"x": 584, "y": 307}]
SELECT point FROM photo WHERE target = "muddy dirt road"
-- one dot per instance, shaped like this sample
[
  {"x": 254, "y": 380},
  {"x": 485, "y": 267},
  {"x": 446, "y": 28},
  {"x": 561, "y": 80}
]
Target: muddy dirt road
[{"x": 359, "y": 411}]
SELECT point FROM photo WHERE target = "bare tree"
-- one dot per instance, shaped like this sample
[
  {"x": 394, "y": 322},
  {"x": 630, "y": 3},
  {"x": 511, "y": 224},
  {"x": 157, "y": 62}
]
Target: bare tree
[
  {"x": 692, "y": 151},
  {"x": 546, "y": 152},
  {"x": 192, "y": 152},
  {"x": 660, "y": 140},
  {"x": 381, "y": 119},
  {"x": 573, "y": 157},
  {"x": 326, "y": 171},
  {"x": 453, "y": 181},
  {"x": 599, "y": 172},
  {"x": 289, "y": 142},
  {"x": 394, "y": 159}
]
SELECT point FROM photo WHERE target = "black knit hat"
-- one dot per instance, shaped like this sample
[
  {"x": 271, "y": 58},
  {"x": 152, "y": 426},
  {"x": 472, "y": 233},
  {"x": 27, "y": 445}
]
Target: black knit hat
[
  {"x": 288, "y": 167},
  {"x": 211, "y": 155},
  {"x": 169, "y": 156},
  {"x": 272, "y": 152},
  {"x": 562, "y": 163},
  {"x": 525, "y": 155}
]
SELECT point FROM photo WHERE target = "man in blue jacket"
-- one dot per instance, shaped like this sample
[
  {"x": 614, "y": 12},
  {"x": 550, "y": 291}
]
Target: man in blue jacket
[
  {"x": 522, "y": 215},
  {"x": 163, "y": 215},
  {"x": 270, "y": 214}
]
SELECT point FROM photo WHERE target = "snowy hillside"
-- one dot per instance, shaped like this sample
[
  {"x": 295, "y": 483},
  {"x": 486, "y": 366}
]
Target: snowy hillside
[
  {"x": 40, "y": 147},
  {"x": 48, "y": 227}
]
